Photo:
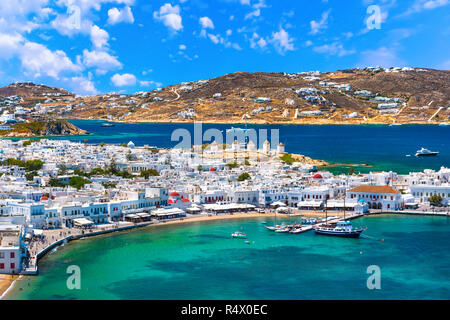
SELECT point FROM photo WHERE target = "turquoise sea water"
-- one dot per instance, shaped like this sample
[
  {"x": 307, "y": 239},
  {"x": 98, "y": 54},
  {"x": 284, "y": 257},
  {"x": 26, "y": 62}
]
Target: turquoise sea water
[
  {"x": 201, "y": 261},
  {"x": 381, "y": 146}
]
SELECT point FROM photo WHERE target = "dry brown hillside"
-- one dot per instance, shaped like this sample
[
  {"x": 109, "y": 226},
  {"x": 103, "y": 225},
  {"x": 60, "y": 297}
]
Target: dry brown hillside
[{"x": 227, "y": 98}]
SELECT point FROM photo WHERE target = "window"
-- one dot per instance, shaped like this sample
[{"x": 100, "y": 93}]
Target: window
[
  {"x": 13, "y": 265},
  {"x": 2, "y": 266},
  {"x": 12, "y": 255},
  {"x": 2, "y": 255}
]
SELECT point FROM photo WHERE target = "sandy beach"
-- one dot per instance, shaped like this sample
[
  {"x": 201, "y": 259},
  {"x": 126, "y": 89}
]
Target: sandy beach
[{"x": 6, "y": 281}]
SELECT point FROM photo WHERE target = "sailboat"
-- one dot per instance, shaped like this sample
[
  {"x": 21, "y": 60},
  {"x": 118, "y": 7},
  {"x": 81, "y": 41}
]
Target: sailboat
[{"x": 342, "y": 229}]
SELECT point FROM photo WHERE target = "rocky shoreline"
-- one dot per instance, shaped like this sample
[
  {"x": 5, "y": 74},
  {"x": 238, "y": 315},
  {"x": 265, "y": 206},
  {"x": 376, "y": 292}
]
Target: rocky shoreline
[{"x": 43, "y": 129}]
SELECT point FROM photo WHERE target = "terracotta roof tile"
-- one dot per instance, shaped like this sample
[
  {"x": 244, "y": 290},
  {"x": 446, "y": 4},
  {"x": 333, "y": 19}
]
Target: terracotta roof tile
[{"x": 374, "y": 189}]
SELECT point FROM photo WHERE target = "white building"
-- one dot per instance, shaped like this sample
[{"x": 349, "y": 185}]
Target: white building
[{"x": 384, "y": 198}]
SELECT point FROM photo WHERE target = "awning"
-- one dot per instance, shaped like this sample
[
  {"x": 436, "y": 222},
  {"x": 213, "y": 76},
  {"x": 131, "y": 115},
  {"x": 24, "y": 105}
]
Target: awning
[
  {"x": 278, "y": 204},
  {"x": 83, "y": 222}
]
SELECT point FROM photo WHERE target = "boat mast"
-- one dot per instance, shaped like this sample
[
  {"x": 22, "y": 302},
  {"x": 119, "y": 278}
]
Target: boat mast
[{"x": 345, "y": 196}]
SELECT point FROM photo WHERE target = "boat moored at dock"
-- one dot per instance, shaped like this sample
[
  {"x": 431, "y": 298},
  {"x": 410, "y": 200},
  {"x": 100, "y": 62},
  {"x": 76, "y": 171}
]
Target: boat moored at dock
[{"x": 340, "y": 229}]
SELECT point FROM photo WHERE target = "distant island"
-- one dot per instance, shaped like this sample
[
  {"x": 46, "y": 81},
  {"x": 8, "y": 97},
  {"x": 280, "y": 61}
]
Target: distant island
[{"x": 371, "y": 95}]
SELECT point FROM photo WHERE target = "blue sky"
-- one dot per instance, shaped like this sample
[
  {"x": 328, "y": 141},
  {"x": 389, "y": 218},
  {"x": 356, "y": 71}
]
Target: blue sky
[{"x": 98, "y": 46}]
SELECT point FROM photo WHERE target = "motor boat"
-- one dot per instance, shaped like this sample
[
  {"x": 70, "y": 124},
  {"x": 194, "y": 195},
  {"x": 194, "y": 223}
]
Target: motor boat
[{"x": 426, "y": 153}]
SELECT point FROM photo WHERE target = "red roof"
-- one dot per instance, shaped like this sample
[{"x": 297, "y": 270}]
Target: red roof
[
  {"x": 374, "y": 189},
  {"x": 186, "y": 200},
  {"x": 171, "y": 201},
  {"x": 44, "y": 198},
  {"x": 212, "y": 169},
  {"x": 174, "y": 194},
  {"x": 318, "y": 176}
]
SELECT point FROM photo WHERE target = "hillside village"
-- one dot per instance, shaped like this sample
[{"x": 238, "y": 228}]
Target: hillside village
[
  {"x": 52, "y": 189},
  {"x": 356, "y": 96}
]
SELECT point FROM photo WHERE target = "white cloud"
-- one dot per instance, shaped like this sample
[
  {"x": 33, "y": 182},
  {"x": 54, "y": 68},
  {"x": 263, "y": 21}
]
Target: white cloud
[
  {"x": 101, "y": 60},
  {"x": 257, "y": 41},
  {"x": 255, "y": 13},
  {"x": 316, "y": 27},
  {"x": 214, "y": 38},
  {"x": 9, "y": 45},
  {"x": 99, "y": 37},
  {"x": 334, "y": 49},
  {"x": 150, "y": 83},
  {"x": 170, "y": 16},
  {"x": 206, "y": 23},
  {"x": 116, "y": 15},
  {"x": 83, "y": 86},
  {"x": 39, "y": 60},
  {"x": 257, "y": 10},
  {"x": 182, "y": 47},
  {"x": 383, "y": 57},
  {"x": 121, "y": 80},
  {"x": 282, "y": 41},
  {"x": 421, "y": 5},
  {"x": 229, "y": 32}
]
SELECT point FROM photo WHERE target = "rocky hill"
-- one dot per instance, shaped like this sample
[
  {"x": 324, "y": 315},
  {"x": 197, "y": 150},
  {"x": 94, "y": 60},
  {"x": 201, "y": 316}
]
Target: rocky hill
[
  {"x": 396, "y": 95},
  {"x": 45, "y": 128},
  {"x": 29, "y": 89}
]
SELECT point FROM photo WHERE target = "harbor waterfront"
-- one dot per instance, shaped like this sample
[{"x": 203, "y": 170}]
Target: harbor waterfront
[
  {"x": 382, "y": 147},
  {"x": 149, "y": 263},
  {"x": 57, "y": 192}
]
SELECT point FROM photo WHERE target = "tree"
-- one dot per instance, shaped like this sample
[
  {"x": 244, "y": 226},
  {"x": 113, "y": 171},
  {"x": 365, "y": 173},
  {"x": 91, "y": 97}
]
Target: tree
[
  {"x": 232, "y": 165},
  {"x": 62, "y": 169},
  {"x": 351, "y": 171},
  {"x": 33, "y": 165},
  {"x": 288, "y": 159},
  {"x": 149, "y": 173},
  {"x": 435, "y": 200},
  {"x": 78, "y": 182},
  {"x": 244, "y": 176},
  {"x": 200, "y": 168},
  {"x": 55, "y": 182},
  {"x": 30, "y": 175}
]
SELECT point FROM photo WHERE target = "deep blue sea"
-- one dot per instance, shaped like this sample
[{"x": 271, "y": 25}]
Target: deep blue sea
[{"x": 381, "y": 146}]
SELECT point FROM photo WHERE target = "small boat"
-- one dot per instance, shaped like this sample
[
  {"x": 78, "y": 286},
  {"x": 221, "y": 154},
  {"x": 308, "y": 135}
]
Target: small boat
[
  {"x": 395, "y": 124},
  {"x": 342, "y": 229},
  {"x": 108, "y": 125},
  {"x": 283, "y": 229},
  {"x": 236, "y": 130},
  {"x": 426, "y": 153},
  {"x": 443, "y": 124},
  {"x": 247, "y": 242},
  {"x": 239, "y": 235},
  {"x": 296, "y": 230}
]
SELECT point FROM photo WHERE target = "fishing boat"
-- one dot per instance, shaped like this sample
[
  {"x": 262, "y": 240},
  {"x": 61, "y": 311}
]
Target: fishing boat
[
  {"x": 272, "y": 228},
  {"x": 426, "y": 153},
  {"x": 342, "y": 229},
  {"x": 283, "y": 229},
  {"x": 310, "y": 221},
  {"x": 108, "y": 124},
  {"x": 296, "y": 229},
  {"x": 239, "y": 235}
]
